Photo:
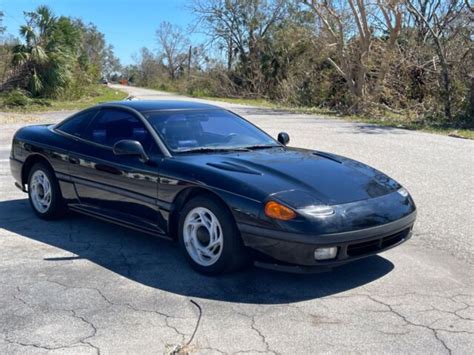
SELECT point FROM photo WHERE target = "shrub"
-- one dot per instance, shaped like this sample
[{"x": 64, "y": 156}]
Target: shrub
[
  {"x": 213, "y": 84},
  {"x": 42, "y": 102},
  {"x": 16, "y": 98}
]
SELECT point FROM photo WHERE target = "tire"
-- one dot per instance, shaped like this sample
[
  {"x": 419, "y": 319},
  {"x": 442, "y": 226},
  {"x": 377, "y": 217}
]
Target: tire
[
  {"x": 45, "y": 208},
  {"x": 227, "y": 252}
]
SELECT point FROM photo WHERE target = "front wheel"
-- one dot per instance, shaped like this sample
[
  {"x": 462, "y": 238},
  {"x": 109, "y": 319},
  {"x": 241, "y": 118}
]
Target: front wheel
[
  {"x": 209, "y": 237},
  {"x": 44, "y": 193}
]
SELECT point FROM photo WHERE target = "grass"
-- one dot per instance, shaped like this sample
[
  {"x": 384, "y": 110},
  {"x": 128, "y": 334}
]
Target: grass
[
  {"x": 390, "y": 120},
  {"x": 97, "y": 94},
  {"x": 400, "y": 122}
]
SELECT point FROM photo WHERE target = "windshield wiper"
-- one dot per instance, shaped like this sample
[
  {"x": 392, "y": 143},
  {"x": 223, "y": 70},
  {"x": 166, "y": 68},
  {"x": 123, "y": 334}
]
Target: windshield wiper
[
  {"x": 213, "y": 149},
  {"x": 227, "y": 149},
  {"x": 261, "y": 146}
]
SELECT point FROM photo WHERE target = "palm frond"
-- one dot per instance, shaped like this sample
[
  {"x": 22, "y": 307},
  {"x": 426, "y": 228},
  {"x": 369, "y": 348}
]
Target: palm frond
[
  {"x": 46, "y": 20},
  {"x": 39, "y": 55},
  {"x": 20, "y": 55},
  {"x": 35, "y": 84},
  {"x": 20, "y": 58},
  {"x": 28, "y": 33}
]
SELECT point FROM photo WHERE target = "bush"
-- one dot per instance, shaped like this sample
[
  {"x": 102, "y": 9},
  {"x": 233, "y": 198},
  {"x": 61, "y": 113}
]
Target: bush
[
  {"x": 42, "y": 102},
  {"x": 16, "y": 98},
  {"x": 214, "y": 84},
  {"x": 200, "y": 87}
]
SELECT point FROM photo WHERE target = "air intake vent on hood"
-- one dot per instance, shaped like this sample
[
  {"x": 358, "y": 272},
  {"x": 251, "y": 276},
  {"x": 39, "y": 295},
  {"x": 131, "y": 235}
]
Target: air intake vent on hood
[
  {"x": 327, "y": 156},
  {"x": 225, "y": 165}
]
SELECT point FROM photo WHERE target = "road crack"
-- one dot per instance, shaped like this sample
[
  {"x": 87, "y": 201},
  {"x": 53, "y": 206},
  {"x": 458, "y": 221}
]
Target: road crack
[
  {"x": 83, "y": 340},
  {"x": 407, "y": 321},
  {"x": 92, "y": 335},
  {"x": 263, "y": 338}
]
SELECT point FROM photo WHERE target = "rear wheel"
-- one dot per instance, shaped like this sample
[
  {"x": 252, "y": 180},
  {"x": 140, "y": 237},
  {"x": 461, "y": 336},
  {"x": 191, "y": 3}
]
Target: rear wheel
[
  {"x": 44, "y": 193},
  {"x": 209, "y": 237}
]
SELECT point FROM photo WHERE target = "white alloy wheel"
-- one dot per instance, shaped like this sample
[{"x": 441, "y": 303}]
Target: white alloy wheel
[
  {"x": 40, "y": 191},
  {"x": 203, "y": 236}
]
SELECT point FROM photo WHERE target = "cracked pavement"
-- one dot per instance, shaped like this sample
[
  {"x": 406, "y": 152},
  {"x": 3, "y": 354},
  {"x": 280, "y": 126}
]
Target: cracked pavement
[{"x": 81, "y": 286}]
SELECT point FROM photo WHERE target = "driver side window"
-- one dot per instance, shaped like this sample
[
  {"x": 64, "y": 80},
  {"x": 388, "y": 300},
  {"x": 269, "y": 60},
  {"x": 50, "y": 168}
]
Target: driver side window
[{"x": 113, "y": 125}]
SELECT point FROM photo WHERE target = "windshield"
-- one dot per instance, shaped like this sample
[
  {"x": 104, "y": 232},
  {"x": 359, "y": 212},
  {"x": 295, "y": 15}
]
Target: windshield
[{"x": 185, "y": 131}]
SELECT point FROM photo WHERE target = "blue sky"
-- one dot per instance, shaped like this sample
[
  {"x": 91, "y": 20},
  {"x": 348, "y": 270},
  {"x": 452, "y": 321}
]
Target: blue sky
[{"x": 127, "y": 24}]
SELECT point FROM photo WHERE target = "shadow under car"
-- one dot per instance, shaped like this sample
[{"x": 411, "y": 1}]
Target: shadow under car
[{"x": 159, "y": 263}]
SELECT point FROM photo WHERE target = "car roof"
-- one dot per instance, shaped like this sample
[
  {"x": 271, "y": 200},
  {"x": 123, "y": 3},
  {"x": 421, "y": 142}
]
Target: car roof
[{"x": 157, "y": 105}]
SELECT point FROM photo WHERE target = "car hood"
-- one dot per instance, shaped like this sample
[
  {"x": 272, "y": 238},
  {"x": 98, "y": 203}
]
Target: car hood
[{"x": 297, "y": 176}]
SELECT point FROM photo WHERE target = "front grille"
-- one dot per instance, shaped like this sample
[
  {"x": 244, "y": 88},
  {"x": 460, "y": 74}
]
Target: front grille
[{"x": 376, "y": 245}]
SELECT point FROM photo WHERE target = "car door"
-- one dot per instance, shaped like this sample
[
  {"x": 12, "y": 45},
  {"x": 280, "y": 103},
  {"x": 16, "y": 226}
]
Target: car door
[
  {"x": 122, "y": 188},
  {"x": 71, "y": 130}
]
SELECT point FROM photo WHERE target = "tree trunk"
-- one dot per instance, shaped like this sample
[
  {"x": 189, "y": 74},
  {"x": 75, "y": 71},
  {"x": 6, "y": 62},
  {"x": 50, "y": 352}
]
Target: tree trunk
[
  {"x": 446, "y": 80},
  {"x": 230, "y": 52},
  {"x": 470, "y": 110},
  {"x": 189, "y": 60}
]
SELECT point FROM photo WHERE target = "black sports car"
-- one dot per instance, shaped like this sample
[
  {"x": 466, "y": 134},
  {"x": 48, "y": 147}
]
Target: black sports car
[{"x": 208, "y": 178}]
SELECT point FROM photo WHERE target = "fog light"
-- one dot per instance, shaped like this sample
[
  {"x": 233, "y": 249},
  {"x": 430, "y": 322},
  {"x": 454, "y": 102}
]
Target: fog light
[{"x": 325, "y": 253}]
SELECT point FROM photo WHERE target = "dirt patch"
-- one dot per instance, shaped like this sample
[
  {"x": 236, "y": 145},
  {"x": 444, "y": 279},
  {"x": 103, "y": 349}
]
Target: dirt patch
[{"x": 31, "y": 118}]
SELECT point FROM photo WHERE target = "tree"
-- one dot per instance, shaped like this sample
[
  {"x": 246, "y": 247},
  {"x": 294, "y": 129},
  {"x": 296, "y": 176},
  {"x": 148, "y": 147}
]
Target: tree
[
  {"x": 241, "y": 27},
  {"x": 110, "y": 63},
  {"x": 6, "y": 43},
  {"x": 353, "y": 36},
  {"x": 58, "y": 56},
  {"x": 147, "y": 69},
  {"x": 2, "y": 28},
  {"x": 92, "y": 50},
  {"x": 174, "y": 46},
  {"x": 432, "y": 19},
  {"x": 41, "y": 61}
]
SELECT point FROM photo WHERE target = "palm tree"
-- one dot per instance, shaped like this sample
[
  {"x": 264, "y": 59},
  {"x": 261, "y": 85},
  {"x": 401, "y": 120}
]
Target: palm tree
[{"x": 42, "y": 60}]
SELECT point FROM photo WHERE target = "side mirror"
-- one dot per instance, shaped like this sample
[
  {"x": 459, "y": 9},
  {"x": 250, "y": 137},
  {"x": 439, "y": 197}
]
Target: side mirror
[
  {"x": 130, "y": 147},
  {"x": 283, "y": 138}
]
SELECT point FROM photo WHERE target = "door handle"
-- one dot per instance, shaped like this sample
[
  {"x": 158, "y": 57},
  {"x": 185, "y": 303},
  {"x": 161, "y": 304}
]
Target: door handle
[
  {"x": 73, "y": 160},
  {"x": 108, "y": 169}
]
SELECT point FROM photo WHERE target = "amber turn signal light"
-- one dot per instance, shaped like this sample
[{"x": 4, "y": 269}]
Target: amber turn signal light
[{"x": 275, "y": 210}]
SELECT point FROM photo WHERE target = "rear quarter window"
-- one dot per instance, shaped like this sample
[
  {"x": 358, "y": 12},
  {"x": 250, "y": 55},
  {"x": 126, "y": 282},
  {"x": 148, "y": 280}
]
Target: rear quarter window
[{"x": 77, "y": 124}]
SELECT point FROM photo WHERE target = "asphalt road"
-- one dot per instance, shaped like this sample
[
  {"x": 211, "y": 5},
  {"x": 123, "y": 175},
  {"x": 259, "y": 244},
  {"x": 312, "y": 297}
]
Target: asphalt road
[{"x": 83, "y": 286}]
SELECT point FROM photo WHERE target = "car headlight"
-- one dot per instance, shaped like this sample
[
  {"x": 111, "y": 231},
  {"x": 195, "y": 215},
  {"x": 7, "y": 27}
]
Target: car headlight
[{"x": 318, "y": 211}]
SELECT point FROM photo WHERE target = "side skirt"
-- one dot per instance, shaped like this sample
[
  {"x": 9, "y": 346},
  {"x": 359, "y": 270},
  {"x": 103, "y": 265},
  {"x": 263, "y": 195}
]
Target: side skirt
[{"x": 104, "y": 217}]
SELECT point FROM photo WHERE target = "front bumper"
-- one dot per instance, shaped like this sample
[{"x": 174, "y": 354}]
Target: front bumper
[
  {"x": 15, "y": 169},
  {"x": 298, "y": 249}
]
